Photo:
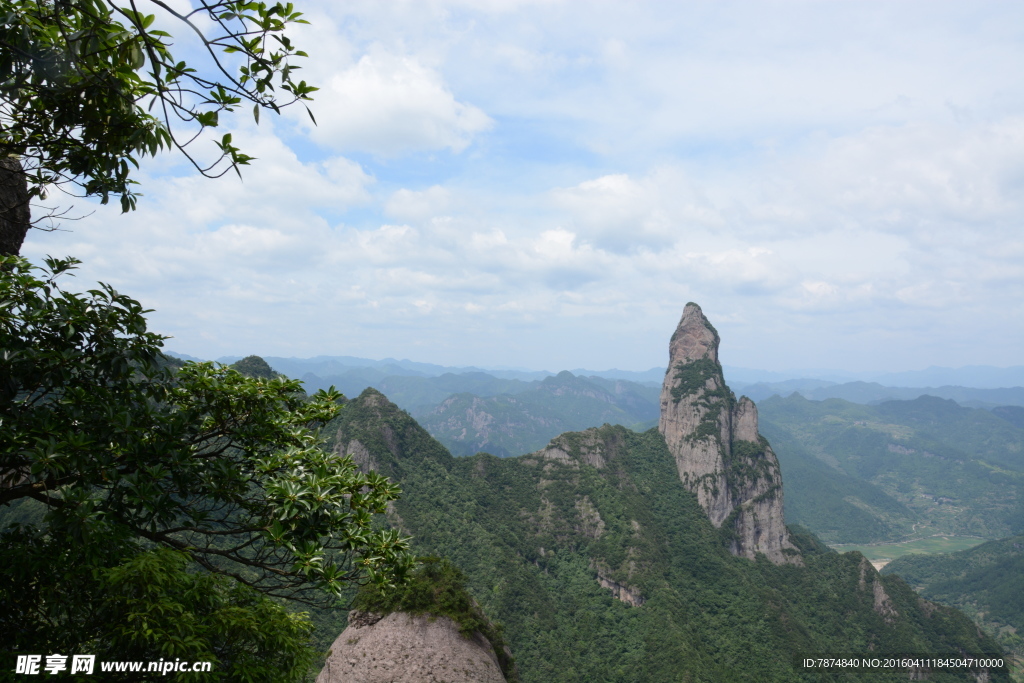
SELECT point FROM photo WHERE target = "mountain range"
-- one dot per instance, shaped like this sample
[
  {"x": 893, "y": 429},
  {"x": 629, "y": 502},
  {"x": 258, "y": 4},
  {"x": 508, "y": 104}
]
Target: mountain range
[
  {"x": 974, "y": 376},
  {"x": 616, "y": 555}
]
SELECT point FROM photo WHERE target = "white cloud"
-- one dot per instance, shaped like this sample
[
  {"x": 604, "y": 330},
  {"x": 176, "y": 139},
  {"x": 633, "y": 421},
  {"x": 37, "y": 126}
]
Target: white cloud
[
  {"x": 410, "y": 205},
  {"x": 835, "y": 184},
  {"x": 620, "y": 213},
  {"x": 390, "y": 104}
]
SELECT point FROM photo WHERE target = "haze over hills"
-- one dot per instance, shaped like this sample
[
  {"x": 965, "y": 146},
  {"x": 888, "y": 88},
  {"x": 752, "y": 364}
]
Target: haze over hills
[
  {"x": 872, "y": 392},
  {"x": 975, "y": 377},
  {"x": 512, "y": 424},
  {"x": 855, "y": 473},
  {"x": 418, "y": 387}
]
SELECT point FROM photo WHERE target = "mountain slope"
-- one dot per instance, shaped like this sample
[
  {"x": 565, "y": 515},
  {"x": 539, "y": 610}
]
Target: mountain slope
[
  {"x": 602, "y": 566},
  {"x": 925, "y": 467},
  {"x": 987, "y": 582},
  {"x": 838, "y": 507}
]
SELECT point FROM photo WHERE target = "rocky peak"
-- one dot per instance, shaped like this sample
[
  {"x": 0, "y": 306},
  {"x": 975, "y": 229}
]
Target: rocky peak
[
  {"x": 401, "y": 647},
  {"x": 695, "y": 338},
  {"x": 719, "y": 453}
]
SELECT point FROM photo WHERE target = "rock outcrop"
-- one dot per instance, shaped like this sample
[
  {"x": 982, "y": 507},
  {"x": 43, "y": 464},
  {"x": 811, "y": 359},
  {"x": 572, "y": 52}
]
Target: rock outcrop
[
  {"x": 718, "y": 451},
  {"x": 402, "y": 648}
]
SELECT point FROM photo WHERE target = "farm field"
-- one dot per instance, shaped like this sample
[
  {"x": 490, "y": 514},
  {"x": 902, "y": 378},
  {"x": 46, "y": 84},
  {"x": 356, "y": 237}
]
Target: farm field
[{"x": 880, "y": 554}]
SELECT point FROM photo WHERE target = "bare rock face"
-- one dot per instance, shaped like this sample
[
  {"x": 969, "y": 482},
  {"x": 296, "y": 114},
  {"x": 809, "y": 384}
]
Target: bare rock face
[
  {"x": 402, "y": 648},
  {"x": 719, "y": 453}
]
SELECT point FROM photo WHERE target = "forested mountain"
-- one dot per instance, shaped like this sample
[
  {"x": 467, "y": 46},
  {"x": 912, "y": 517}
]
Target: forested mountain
[
  {"x": 986, "y": 582},
  {"x": 601, "y": 565},
  {"x": 858, "y": 474},
  {"x": 513, "y": 424}
]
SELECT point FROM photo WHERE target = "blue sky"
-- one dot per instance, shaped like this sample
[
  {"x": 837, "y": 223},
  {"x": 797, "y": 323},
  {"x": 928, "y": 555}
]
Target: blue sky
[{"x": 546, "y": 184}]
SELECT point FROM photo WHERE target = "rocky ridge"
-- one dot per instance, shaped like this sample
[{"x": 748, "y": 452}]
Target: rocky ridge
[
  {"x": 719, "y": 453},
  {"x": 403, "y": 648}
]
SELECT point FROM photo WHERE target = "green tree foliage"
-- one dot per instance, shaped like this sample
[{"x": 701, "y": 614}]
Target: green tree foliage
[
  {"x": 108, "y": 455},
  {"x": 88, "y": 86}
]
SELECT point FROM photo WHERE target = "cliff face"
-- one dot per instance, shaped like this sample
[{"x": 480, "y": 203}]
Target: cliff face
[
  {"x": 401, "y": 648},
  {"x": 718, "y": 451}
]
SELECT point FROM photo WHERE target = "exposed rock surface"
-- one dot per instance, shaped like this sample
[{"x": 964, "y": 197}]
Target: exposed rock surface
[
  {"x": 882, "y": 603},
  {"x": 401, "y": 648},
  {"x": 719, "y": 453},
  {"x": 627, "y": 594}
]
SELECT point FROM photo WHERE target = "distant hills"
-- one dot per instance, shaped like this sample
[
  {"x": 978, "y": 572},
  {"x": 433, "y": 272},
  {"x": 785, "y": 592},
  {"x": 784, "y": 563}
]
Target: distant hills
[
  {"x": 862, "y": 463},
  {"x": 872, "y": 392},
  {"x": 974, "y": 376},
  {"x": 515, "y": 423},
  {"x": 326, "y": 367},
  {"x": 861, "y": 474},
  {"x": 979, "y": 386},
  {"x": 575, "y": 549}
]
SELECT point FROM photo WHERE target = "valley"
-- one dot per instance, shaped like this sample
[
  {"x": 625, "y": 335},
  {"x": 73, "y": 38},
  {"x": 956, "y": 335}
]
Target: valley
[{"x": 881, "y": 554}]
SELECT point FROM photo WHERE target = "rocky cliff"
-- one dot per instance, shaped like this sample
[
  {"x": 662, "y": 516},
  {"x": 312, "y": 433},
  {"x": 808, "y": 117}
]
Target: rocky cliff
[
  {"x": 402, "y": 648},
  {"x": 719, "y": 453}
]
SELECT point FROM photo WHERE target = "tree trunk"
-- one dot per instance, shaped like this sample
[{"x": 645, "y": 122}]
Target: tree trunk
[{"x": 15, "y": 215}]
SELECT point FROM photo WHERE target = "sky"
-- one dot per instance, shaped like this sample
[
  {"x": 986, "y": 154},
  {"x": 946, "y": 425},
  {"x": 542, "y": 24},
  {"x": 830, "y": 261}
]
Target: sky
[{"x": 545, "y": 184}]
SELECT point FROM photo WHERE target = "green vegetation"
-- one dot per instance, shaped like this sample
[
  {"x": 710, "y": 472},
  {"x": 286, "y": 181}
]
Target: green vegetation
[
  {"x": 164, "y": 509},
  {"x": 438, "y": 588},
  {"x": 544, "y": 542},
  {"x": 986, "y": 582},
  {"x": 897, "y": 471},
  {"x": 693, "y": 377},
  {"x": 255, "y": 367},
  {"x": 746, "y": 465}
]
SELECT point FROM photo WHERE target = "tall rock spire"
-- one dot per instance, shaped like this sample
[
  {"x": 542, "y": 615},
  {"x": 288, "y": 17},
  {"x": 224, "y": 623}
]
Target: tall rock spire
[{"x": 719, "y": 453}]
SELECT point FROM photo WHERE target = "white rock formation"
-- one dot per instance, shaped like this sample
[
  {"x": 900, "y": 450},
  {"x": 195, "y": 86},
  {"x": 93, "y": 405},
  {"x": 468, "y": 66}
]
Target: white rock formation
[
  {"x": 718, "y": 451},
  {"x": 401, "y": 648}
]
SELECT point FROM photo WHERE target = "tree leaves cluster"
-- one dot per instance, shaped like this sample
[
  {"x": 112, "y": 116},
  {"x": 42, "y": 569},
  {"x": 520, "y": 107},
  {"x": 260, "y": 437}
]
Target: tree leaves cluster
[
  {"x": 109, "y": 456},
  {"x": 89, "y": 86}
]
